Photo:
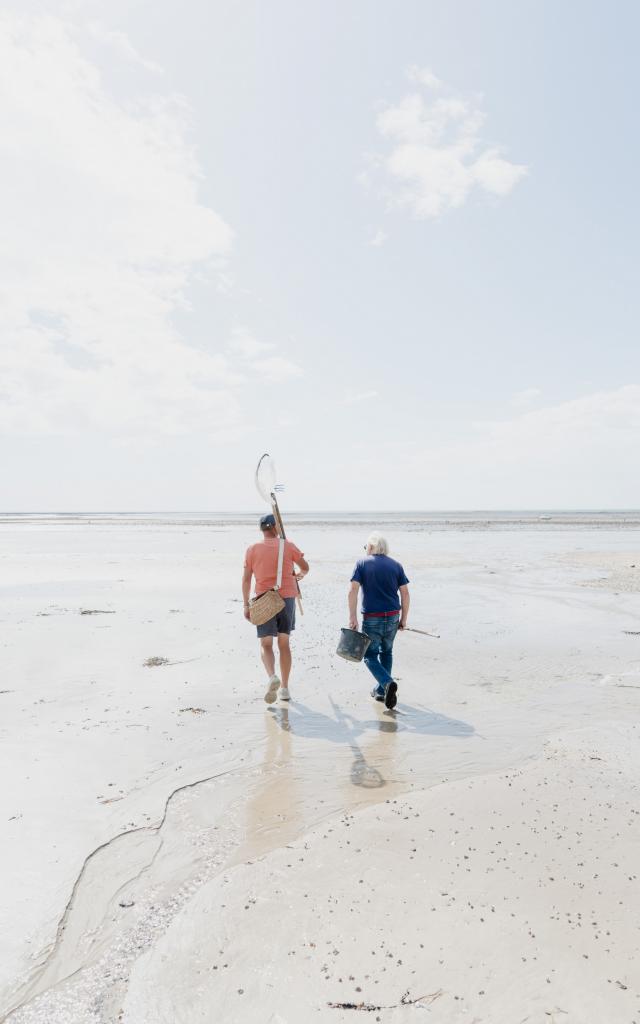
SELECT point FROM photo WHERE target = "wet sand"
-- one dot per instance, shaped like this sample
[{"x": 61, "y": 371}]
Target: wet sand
[{"x": 162, "y": 821}]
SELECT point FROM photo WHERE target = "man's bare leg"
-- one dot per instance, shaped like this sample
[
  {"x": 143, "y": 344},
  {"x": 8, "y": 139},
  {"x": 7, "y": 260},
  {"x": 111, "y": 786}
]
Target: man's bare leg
[
  {"x": 267, "y": 655},
  {"x": 285, "y": 658},
  {"x": 269, "y": 662}
]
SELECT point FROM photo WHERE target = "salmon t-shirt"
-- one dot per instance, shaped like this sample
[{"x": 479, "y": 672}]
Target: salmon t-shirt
[{"x": 262, "y": 560}]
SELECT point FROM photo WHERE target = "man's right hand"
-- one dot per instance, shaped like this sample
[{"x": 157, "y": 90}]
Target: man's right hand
[
  {"x": 353, "y": 624},
  {"x": 246, "y": 613}
]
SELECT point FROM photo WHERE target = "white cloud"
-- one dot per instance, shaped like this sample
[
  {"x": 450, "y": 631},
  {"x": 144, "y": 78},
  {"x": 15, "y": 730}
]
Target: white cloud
[
  {"x": 437, "y": 157},
  {"x": 378, "y": 239},
  {"x": 121, "y": 42},
  {"x": 245, "y": 344},
  {"x": 525, "y": 399},
  {"x": 424, "y": 77},
  {"x": 102, "y": 233},
  {"x": 578, "y": 453},
  {"x": 276, "y": 369},
  {"x": 601, "y": 418},
  {"x": 270, "y": 369},
  {"x": 353, "y": 397}
]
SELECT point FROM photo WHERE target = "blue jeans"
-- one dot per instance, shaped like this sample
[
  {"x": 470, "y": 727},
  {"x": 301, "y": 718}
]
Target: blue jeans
[{"x": 379, "y": 656}]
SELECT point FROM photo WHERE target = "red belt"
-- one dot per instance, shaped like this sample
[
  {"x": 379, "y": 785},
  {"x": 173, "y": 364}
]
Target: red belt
[{"x": 380, "y": 615}]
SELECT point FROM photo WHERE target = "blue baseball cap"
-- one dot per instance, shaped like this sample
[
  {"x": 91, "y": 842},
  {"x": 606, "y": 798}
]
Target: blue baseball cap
[{"x": 267, "y": 520}]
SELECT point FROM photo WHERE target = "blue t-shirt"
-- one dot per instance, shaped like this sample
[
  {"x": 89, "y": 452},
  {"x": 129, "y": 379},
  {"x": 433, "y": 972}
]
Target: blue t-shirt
[{"x": 379, "y": 576}]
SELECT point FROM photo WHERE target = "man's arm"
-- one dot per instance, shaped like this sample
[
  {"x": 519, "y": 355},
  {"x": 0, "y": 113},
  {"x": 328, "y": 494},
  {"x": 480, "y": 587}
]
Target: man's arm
[
  {"x": 353, "y": 605},
  {"x": 246, "y": 590},
  {"x": 405, "y": 601},
  {"x": 303, "y": 566}
]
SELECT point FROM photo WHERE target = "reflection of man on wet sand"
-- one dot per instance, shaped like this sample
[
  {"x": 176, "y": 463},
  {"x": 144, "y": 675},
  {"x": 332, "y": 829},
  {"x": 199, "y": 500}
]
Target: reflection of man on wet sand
[{"x": 385, "y": 607}]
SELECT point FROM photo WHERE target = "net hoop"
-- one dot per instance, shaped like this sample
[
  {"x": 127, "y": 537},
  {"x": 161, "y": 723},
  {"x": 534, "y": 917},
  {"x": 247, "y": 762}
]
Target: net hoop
[{"x": 266, "y": 478}]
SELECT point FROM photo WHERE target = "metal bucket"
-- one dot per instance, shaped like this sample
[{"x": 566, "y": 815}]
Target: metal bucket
[{"x": 353, "y": 645}]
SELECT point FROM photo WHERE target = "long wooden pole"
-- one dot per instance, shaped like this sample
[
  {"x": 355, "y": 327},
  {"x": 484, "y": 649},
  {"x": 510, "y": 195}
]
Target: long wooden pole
[{"x": 280, "y": 525}]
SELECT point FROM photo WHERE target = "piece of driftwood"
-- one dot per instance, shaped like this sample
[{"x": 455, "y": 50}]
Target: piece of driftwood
[{"x": 405, "y": 1001}]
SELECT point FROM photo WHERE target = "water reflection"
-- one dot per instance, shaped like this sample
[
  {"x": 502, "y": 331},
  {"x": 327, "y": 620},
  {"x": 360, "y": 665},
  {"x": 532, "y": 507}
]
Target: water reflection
[
  {"x": 274, "y": 804},
  {"x": 362, "y": 772},
  {"x": 299, "y": 783}
]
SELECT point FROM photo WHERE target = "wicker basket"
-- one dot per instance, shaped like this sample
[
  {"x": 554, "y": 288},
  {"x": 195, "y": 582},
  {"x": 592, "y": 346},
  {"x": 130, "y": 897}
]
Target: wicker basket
[{"x": 265, "y": 607}]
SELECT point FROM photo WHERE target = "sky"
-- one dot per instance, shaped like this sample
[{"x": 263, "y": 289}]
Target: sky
[{"x": 394, "y": 245}]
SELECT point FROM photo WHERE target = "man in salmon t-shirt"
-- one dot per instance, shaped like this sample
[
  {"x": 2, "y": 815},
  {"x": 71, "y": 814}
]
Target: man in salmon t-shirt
[{"x": 261, "y": 562}]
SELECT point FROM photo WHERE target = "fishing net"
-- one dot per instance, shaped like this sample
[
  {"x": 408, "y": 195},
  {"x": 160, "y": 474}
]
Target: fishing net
[
  {"x": 268, "y": 489},
  {"x": 266, "y": 478}
]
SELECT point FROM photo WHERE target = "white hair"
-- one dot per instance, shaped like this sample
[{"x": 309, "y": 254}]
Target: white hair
[{"x": 378, "y": 544}]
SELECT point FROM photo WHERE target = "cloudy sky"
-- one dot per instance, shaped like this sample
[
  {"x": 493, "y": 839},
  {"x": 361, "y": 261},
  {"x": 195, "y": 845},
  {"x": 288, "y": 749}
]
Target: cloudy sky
[{"x": 393, "y": 244}]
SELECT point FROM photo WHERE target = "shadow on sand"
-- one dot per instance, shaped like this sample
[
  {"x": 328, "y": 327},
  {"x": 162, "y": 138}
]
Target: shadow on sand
[{"x": 344, "y": 728}]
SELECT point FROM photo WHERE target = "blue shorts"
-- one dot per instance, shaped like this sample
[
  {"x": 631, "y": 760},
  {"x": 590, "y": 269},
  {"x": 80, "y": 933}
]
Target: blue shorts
[{"x": 283, "y": 622}]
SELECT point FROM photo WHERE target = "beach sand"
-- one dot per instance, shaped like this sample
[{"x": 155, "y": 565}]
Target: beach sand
[{"x": 176, "y": 851}]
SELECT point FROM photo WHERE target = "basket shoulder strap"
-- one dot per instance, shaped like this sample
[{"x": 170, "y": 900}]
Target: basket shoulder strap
[{"x": 280, "y": 563}]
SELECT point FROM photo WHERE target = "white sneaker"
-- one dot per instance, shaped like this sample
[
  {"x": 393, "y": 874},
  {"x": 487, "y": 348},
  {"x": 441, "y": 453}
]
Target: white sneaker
[
  {"x": 272, "y": 690},
  {"x": 284, "y": 693}
]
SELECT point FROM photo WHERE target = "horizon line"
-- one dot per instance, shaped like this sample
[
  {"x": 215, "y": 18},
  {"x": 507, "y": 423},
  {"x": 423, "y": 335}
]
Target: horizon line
[{"x": 322, "y": 511}]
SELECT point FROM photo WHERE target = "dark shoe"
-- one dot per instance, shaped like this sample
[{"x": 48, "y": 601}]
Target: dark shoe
[
  {"x": 391, "y": 695},
  {"x": 377, "y": 694}
]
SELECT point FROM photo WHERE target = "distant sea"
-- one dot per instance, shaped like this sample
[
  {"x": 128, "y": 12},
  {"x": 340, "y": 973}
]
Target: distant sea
[{"x": 552, "y": 519}]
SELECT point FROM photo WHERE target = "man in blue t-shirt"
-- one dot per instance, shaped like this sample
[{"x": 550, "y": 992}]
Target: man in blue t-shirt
[{"x": 385, "y": 606}]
